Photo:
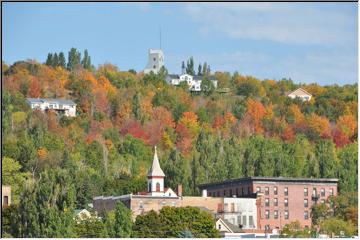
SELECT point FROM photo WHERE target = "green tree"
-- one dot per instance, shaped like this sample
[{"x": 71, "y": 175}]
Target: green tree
[
  {"x": 348, "y": 174},
  {"x": 49, "y": 59},
  {"x": 190, "y": 66},
  {"x": 326, "y": 155},
  {"x": 86, "y": 61},
  {"x": 55, "y": 61},
  {"x": 62, "y": 60},
  {"x": 207, "y": 86},
  {"x": 73, "y": 59},
  {"x": 123, "y": 221},
  {"x": 199, "y": 70},
  {"x": 294, "y": 230},
  {"x": 338, "y": 227},
  {"x": 90, "y": 228}
]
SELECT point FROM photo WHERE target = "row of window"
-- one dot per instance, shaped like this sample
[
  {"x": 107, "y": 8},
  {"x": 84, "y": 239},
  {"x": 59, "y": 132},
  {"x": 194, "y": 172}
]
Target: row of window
[
  {"x": 286, "y": 191},
  {"x": 286, "y": 202},
  {"x": 286, "y": 214}
]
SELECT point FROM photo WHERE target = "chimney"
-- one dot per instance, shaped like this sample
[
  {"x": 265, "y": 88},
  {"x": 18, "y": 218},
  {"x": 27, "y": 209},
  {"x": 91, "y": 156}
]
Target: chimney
[{"x": 179, "y": 190}]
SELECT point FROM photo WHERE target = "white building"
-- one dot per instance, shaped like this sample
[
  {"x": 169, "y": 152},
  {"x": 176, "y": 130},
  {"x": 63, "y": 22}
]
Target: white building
[
  {"x": 300, "y": 93},
  {"x": 241, "y": 212},
  {"x": 155, "y": 61},
  {"x": 194, "y": 82},
  {"x": 67, "y": 107}
]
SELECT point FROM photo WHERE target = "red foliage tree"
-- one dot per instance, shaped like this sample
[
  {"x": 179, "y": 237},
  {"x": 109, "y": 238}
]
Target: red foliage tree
[
  {"x": 35, "y": 89},
  {"x": 135, "y": 129},
  {"x": 340, "y": 139}
]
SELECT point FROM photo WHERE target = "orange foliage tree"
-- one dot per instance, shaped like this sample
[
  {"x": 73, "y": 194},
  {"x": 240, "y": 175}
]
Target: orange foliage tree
[
  {"x": 255, "y": 113},
  {"x": 347, "y": 124}
]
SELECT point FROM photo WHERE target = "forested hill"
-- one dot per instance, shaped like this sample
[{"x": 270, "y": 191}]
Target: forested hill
[{"x": 253, "y": 130}]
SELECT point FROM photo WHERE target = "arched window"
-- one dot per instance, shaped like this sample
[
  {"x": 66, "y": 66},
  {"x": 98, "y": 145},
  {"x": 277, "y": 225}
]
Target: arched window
[
  {"x": 158, "y": 187},
  {"x": 150, "y": 187}
]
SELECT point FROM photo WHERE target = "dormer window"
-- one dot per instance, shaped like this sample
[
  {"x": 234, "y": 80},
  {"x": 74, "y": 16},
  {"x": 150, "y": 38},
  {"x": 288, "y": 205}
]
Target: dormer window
[
  {"x": 154, "y": 66},
  {"x": 154, "y": 59}
]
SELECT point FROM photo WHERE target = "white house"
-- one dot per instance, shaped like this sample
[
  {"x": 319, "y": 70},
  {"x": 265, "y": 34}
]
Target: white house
[
  {"x": 155, "y": 61},
  {"x": 194, "y": 82},
  {"x": 82, "y": 214},
  {"x": 67, "y": 107},
  {"x": 300, "y": 93},
  {"x": 241, "y": 212}
]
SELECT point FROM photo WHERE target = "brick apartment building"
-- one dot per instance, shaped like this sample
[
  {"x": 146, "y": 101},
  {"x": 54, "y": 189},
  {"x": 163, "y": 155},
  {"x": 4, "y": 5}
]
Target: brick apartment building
[{"x": 282, "y": 199}]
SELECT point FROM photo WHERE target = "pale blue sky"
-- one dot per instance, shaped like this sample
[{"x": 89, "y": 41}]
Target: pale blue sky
[{"x": 308, "y": 42}]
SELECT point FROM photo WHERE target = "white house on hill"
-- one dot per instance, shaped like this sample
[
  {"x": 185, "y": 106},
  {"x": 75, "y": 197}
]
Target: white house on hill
[
  {"x": 194, "y": 82},
  {"x": 67, "y": 107},
  {"x": 300, "y": 93}
]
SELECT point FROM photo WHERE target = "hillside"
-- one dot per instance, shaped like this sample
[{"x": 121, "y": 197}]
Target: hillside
[{"x": 253, "y": 130}]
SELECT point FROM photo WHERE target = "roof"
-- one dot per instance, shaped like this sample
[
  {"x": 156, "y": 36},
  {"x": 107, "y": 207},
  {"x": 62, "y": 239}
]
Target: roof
[
  {"x": 173, "y": 76},
  {"x": 42, "y": 100},
  {"x": 271, "y": 179},
  {"x": 300, "y": 89},
  {"x": 155, "y": 170},
  {"x": 197, "y": 77},
  {"x": 234, "y": 228}
]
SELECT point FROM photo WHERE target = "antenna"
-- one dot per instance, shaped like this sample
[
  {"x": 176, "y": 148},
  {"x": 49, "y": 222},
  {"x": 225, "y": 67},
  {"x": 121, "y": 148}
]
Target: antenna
[{"x": 160, "y": 37}]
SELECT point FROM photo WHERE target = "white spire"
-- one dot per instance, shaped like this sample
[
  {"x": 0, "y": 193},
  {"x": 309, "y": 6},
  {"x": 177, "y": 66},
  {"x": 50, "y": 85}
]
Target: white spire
[{"x": 155, "y": 170}]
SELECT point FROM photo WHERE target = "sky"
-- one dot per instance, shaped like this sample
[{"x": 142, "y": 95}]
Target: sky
[{"x": 307, "y": 42}]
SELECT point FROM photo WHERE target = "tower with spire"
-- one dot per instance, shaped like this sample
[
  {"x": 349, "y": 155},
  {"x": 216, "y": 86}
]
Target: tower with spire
[{"x": 155, "y": 178}]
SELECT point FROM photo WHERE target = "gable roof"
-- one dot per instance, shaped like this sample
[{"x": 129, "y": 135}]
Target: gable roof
[
  {"x": 155, "y": 170},
  {"x": 300, "y": 89},
  {"x": 56, "y": 100},
  {"x": 173, "y": 76}
]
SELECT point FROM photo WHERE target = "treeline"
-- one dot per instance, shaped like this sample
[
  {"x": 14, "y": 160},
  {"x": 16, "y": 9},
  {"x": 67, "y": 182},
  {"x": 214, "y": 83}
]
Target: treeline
[
  {"x": 254, "y": 130},
  {"x": 74, "y": 60}
]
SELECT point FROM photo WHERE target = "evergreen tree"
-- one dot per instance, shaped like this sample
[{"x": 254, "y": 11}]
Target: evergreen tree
[
  {"x": 73, "y": 59},
  {"x": 136, "y": 108},
  {"x": 62, "y": 60},
  {"x": 183, "y": 67},
  {"x": 55, "y": 62},
  {"x": 190, "y": 66},
  {"x": 199, "y": 70},
  {"x": 49, "y": 59},
  {"x": 123, "y": 221},
  {"x": 86, "y": 62},
  {"x": 325, "y": 154},
  {"x": 204, "y": 68},
  {"x": 348, "y": 158}
]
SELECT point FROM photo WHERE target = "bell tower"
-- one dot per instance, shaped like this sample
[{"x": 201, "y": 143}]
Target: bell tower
[{"x": 155, "y": 178}]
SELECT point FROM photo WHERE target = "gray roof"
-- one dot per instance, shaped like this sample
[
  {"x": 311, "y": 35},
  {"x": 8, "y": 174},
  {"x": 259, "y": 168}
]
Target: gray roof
[
  {"x": 270, "y": 179},
  {"x": 234, "y": 228},
  {"x": 56, "y": 100},
  {"x": 173, "y": 76},
  {"x": 197, "y": 77}
]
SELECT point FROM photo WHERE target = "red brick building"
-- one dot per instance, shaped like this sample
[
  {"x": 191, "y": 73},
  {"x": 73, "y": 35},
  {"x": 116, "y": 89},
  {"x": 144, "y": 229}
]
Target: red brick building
[{"x": 281, "y": 199}]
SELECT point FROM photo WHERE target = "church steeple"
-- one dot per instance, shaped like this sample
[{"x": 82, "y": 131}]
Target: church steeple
[{"x": 155, "y": 177}]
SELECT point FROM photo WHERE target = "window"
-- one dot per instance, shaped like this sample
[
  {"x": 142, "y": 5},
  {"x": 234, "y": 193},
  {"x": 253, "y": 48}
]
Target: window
[
  {"x": 219, "y": 226},
  {"x": 249, "y": 190},
  {"x": 251, "y": 221},
  {"x": 232, "y": 207},
  {"x": 314, "y": 192},
  {"x": 242, "y": 191},
  {"x": 306, "y": 215},
  {"x": 275, "y": 202},
  {"x": 154, "y": 67},
  {"x": 154, "y": 59},
  {"x": 332, "y": 192},
  {"x": 305, "y": 192},
  {"x": 322, "y": 191},
  {"x": 286, "y": 214},
  {"x": 267, "y": 191},
  {"x": 286, "y": 202},
  {"x": 224, "y": 193},
  {"x": 6, "y": 200},
  {"x": 306, "y": 203},
  {"x": 231, "y": 193},
  {"x": 237, "y": 192},
  {"x": 258, "y": 189},
  {"x": 286, "y": 191},
  {"x": 276, "y": 214},
  {"x": 218, "y": 194},
  {"x": 226, "y": 207},
  {"x": 158, "y": 187},
  {"x": 275, "y": 190},
  {"x": 244, "y": 220},
  {"x": 267, "y": 214},
  {"x": 267, "y": 203}
]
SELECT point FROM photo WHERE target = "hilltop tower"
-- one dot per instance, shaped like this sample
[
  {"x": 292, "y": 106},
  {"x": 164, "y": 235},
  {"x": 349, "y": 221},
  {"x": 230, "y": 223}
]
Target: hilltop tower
[
  {"x": 155, "y": 61},
  {"x": 155, "y": 178}
]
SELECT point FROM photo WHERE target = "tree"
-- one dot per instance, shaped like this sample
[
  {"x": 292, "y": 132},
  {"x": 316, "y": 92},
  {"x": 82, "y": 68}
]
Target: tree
[
  {"x": 338, "y": 227},
  {"x": 49, "y": 59},
  {"x": 123, "y": 221},
  {"x": 86, "y": 61},
  {"x": 326, "y": 155},
  {"x": 90, "y": 228},
  {"x": 174, "y": 221},
  {"x": 55, "y": 61},
  {"x": 347, "y": 124},
  {"x": 62, "y": 60},
  {"x": 348, "y": 160},
  {"x": 190, "y": 66},
  {"x": 73, "y": 59},
  {"x": 207, "y": 86},
  {"x": 255, "y": 113},
  {"x": 35, "y": 88},
  {"x": 294, "y": 230},
  {"x": 199, "y": 70}
]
